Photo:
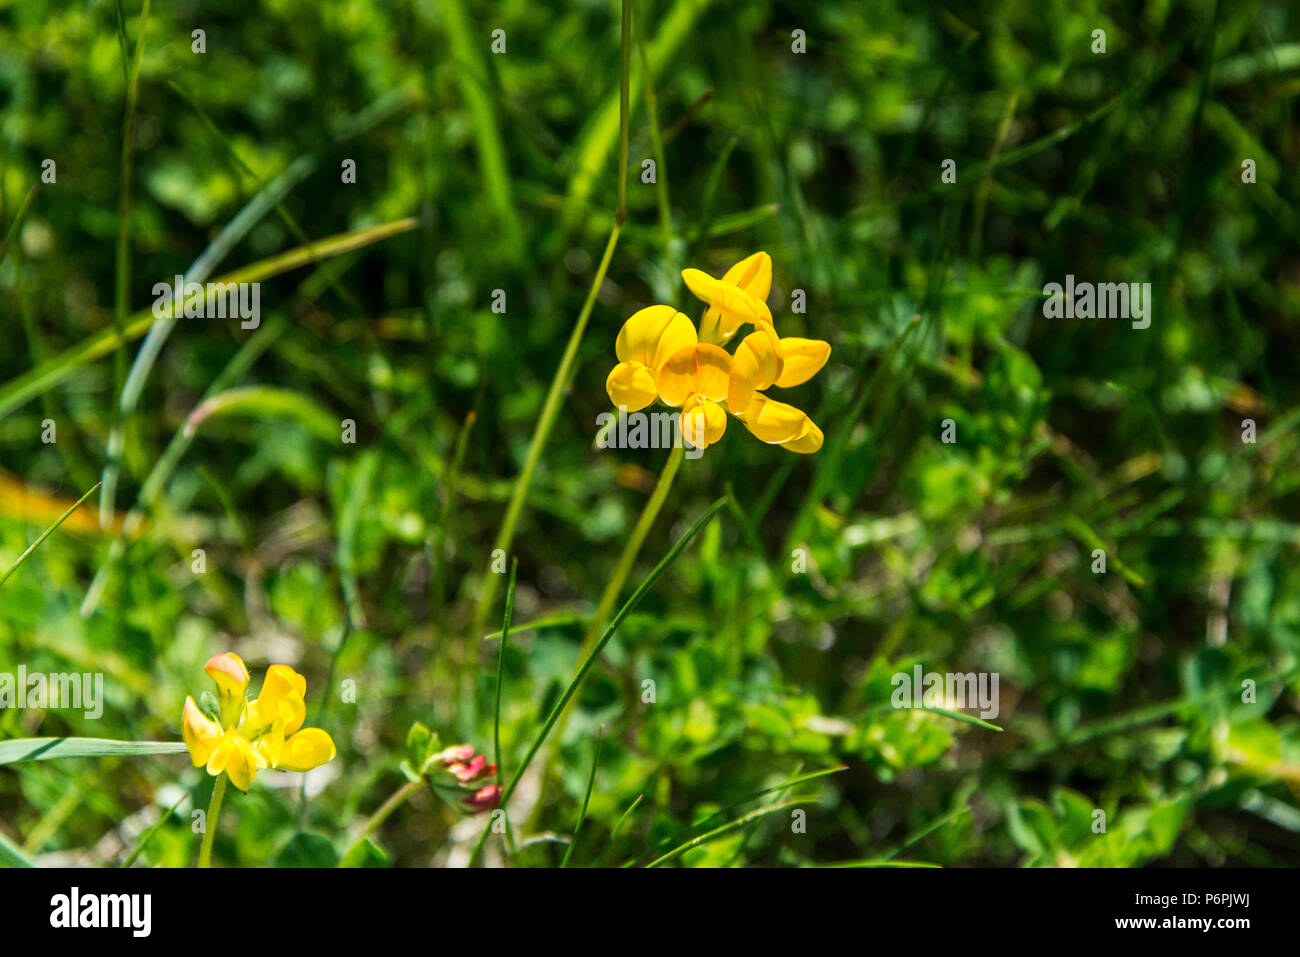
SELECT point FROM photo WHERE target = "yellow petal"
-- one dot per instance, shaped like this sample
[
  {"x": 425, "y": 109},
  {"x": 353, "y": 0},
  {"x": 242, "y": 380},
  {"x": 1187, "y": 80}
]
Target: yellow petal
[
  {"x": 309, "y": 748},
  {"x": 730, "y": 306},
  {"x": 270, "y": 746},
  {"x": 803, "y": 359},
  {"x": 807, "y": 443},
  {"x": 200, "y": 732},
  {"x": 775, "y": 422},
  {"x": 757, "y": 365},
  {"x": 228, "y": 671},
  {"x": 703, "y": 422},
  {"x": 680, "y": 334},
  {"x": 702, "y": 369},
  {"x": 220, "y": 755},
  {"x": 631, "y": 386},
  {"x": 282, "y": 696},
  {"x": 243, "y": 763},
  {"x": 753, "y": 274},
  {"x": 647, "y": 330}
]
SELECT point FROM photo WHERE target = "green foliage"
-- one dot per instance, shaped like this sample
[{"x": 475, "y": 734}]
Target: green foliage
[{"x": 1161, "y": 691}]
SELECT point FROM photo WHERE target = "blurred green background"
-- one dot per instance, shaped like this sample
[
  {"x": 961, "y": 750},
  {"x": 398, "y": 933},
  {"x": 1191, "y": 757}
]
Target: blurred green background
[{"x": 1120, "y": 691}]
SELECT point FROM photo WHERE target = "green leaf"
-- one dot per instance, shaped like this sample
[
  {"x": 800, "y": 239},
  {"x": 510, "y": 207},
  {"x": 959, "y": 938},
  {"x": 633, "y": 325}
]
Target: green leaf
[
  {"x": 307, "y": 850},
  {"x": 17, "y": 750},
  {"x": 417, "y": 743},
  {"x": 365, "y": 853},
  {"x": 11, "y": 855}
]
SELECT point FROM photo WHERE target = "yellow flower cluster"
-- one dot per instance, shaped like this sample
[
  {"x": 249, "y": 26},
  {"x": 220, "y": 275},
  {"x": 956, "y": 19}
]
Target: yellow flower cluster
[
  {"x": 253, "y": 735},
  {"x": 662, "y": 356}
]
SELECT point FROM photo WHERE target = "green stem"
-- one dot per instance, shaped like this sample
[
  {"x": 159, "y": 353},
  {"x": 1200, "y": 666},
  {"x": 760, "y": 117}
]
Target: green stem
[
  {"x": 210, "y": 822},
  {"x": 615, "y": 584},
  {"x": 488, "y": 593},
  {"x": 590, "y": 660},
  {"x": 624, "y": 112},
  {"x": 501, "y": 667},
  {"x": 541, "y": 433},
  {"x": 395, "y": 800},
  {"x": 625, "y": 562}
]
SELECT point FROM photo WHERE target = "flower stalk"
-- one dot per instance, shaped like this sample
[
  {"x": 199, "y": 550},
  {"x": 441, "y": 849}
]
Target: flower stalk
[{"x": 210, "y": 821}]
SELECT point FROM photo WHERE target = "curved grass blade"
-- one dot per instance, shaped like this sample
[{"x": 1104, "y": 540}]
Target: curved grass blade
[
  {"x": 11, "y": 854},
  {"x": 264, "y": 401},
  {"x": 18, "y": 220},
  {"x": 617, "y": 620},
  {"x": 925, "y": 832},
  {"x": 17, "y": 750},
  {"x": 774, "y": 789},
  {"x": 729, "y": 827},
  {"x": 348, "y": 522},
  {"x": 46, "y": 534},
  {"x": 50, "y": 373},
  {"x": 590, "y": 660},
  {"x": 242, "y": 361},
  {"x": 145, "y": 838},
  {"x": 618, "y": 826},
  {"x": 586, "y": 799},
  {"x": 267, "y": 198},
  {"x": 960, "y": 716},
  {"x": 551, "y": 621},
  {"x": 199, "y": 270},
  {"x": 878, "y": 863}
]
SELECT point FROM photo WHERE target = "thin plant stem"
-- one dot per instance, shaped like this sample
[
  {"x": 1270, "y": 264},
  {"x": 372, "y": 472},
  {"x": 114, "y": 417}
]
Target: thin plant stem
[
  {"x": 122, "y": 278},
  {"x": 210, "y": 822},
  {"x": 657, "y": 142},
  {"x": 621, "y": 570},
  {"x": 590, "y": 660},
  {"x": 395, "y": 800},
  {"x": 624, "y": 113},
  {"x": 501, "y": 666},
  {"x": 47, "y": 533},
  {"x": 551, "y": 407},
  {"x": 559, "y": 384}
]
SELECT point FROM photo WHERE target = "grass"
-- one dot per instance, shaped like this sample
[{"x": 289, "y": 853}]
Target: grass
[{"x": 745, "y": 685}]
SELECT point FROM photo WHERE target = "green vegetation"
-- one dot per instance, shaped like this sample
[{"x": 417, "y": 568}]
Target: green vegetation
[{"x": 457, "y": 305}]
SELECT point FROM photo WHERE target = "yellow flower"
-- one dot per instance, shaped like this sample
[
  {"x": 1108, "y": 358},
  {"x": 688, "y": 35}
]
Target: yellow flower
[
  {"x": 696, "y": 378},
  {"x": 645, "y": 343},
  {"x": 777, "y": 423},
  {"x": 662, "y": 357},
  {"x": 763, "y": 359},
  {"x": 760, "y": 363},
  {"x": 264, "y": 733},
  {"x": 740, "y": 296}
]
